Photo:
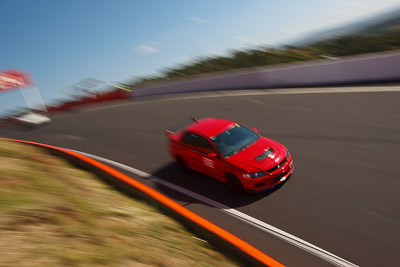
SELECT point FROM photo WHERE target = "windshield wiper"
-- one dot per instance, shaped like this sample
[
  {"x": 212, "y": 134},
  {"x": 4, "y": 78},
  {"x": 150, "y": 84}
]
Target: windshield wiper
[
  {"x": 240, "y": 149},
  {"x": 244, "y": 147}
]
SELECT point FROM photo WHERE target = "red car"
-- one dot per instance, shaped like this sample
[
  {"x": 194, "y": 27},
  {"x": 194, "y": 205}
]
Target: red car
[{"x": 231, "y": 153}]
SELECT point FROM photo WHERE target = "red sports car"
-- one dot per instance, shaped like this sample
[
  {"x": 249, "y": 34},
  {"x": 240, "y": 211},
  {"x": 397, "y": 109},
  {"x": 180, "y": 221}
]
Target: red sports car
[{"x": 231, "y": 153}]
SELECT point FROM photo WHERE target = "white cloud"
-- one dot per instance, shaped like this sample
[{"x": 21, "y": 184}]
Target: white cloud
[
  {"x": 353, "y": 10},
  {"x": 343, "y": 13},
  {"x": 244, "y": 39},
  {"x": 198, "y": 20},
  {"x": 147, "y": 49}
]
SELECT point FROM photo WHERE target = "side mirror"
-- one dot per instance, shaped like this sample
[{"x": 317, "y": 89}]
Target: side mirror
[
  {"x": 255, "y": 130},
  {"x": 212, "y": 155}
]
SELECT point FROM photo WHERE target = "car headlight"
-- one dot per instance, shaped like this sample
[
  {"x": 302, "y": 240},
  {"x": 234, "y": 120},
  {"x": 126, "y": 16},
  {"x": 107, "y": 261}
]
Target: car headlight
[
  {"x": 254, "y": 175},
  {"x": 287, "y": 153}
]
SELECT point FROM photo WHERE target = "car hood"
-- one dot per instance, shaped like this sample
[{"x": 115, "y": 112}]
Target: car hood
[{"x": 251, "y": 158}]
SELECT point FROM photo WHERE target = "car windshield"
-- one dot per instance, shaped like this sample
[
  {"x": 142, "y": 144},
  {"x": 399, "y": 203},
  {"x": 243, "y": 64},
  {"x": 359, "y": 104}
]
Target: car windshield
[{"x": 234, "y": 140}]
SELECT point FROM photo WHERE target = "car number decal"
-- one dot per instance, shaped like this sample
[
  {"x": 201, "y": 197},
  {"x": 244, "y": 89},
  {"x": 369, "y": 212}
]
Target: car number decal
[{"x": 208, "y": 162}]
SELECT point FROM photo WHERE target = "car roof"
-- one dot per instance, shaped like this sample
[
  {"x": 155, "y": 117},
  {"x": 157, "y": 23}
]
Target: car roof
[{"x": 210, "y": 126}]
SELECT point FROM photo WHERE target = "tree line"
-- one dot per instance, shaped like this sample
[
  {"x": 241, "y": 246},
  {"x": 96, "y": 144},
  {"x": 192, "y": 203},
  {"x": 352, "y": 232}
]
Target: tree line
[{"x": 265, "y": 56}]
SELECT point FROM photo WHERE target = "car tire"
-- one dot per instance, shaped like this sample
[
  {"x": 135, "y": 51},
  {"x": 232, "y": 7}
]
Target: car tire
[
  {"x": 182, "y": 163},
  {"x": 234, "y": 183}
]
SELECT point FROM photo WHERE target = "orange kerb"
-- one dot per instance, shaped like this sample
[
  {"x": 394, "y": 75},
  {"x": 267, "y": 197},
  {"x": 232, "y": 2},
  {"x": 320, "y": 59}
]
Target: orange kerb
[{"x": 240, "y": 244}]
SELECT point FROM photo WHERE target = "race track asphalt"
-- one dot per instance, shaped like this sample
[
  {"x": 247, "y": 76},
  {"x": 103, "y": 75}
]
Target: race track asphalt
[{"x": 343, "y": 196}]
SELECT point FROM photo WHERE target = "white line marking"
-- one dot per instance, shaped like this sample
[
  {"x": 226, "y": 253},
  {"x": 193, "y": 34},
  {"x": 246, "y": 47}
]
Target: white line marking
[
  {"x": 202, "y": 240},
  {"x": 298, "y": 242},
  {"x": 255, "y": 92},
  {"x": 68, "y": 136}
]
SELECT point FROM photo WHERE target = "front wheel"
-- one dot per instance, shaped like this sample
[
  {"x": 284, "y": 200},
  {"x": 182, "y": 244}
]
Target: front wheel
[{"x": 234, "y": 183}]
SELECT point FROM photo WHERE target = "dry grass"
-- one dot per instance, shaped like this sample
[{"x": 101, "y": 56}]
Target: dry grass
[{"x": 52, "y": 214}]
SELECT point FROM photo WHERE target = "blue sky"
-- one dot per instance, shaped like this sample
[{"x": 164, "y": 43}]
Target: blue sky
[{"x": 62, "y": 42}]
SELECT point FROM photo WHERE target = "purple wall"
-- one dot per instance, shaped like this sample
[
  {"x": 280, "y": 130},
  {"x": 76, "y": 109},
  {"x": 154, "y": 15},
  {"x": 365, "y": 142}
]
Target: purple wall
[{"x": 356, "y": 69}]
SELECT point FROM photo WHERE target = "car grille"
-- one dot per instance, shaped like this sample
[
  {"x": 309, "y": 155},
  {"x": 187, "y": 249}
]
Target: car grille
[
  {"x": 277, "y": 166},
  {"x": 277, "y": 178}
]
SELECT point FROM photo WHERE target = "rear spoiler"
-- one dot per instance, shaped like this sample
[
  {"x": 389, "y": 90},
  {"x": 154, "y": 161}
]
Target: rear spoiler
[{"x": 180, "y": 126}]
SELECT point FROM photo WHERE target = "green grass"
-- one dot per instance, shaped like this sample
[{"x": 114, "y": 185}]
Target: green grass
[{"x": 53, "y": 214}]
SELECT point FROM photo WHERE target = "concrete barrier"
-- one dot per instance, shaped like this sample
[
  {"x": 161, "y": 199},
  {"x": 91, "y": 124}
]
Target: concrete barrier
[{"x": 379, "y": 67}]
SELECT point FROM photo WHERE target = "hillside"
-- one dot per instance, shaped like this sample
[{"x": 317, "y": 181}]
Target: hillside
[{"x": 377, "y": 34}]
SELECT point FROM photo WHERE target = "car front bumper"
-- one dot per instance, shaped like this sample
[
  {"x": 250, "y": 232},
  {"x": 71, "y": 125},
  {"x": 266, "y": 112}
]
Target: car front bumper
[{"x": 265, "y": 187}]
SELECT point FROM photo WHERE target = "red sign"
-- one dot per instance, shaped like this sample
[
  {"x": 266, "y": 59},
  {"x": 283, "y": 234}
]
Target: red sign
[{"x": 12, "y": 79}]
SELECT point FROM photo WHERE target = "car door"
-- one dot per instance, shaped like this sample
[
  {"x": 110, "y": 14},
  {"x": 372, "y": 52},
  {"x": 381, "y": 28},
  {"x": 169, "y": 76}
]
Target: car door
[{"x": 199, "y": 153}]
